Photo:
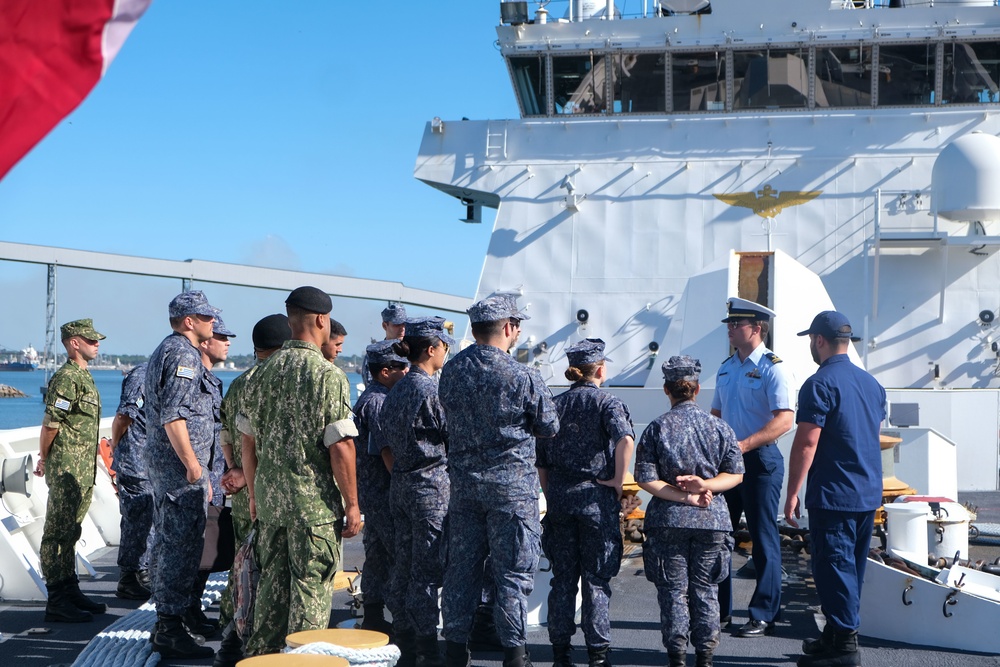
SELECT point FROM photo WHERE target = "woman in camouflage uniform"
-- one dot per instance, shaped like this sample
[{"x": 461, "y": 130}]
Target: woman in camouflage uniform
[
  {"x": 684, "y": 459},
  {"x": 412, "y": 425}
]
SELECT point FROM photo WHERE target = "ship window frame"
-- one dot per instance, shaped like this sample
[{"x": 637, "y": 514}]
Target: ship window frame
[
  {"x": 545, "y": 78},
  {"x": 591, "y": 53},
  {"x": 967, "y": 39},
  {"x": 639, "y": 52},
  {"x": 877, "y": 67},
  {"x": 727, "y": 64}
]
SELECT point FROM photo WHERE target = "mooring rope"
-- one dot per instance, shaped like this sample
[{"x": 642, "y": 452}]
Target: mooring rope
[{"x": 383, "y": 656}]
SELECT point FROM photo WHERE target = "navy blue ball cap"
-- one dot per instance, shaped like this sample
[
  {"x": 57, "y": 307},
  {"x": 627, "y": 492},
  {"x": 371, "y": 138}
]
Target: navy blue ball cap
[
  {"x": 831, "y": 325},
  {"x": 193, "y": 302},
  {"x": 429, "y": 327},
  {"x": 681, "y": 367},
  {"x": 381, "y": 353},
  {"x": 394, "y": 313},
  {"x": 219, "y": 327},
  {"x": 587, "y": 351},
  {"x": 311, "y": 299}
]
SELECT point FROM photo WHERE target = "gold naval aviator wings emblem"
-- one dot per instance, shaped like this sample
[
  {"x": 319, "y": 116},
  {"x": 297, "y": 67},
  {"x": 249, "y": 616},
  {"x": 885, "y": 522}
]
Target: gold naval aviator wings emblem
[{"x": 770, "y": 202}]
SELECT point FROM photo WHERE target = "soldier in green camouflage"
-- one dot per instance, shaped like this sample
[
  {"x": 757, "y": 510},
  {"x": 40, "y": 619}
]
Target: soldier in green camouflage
[
  {"x": 300, "y": 475},
  {"x": 67, "y": 457}
]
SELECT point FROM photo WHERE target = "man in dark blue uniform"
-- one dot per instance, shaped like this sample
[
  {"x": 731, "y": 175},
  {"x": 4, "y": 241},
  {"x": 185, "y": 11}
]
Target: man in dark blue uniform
[
  {"x": 180, "y": 433},
  {"x": 840, "y": 411},
  {"x": 753, "y": 394},
  {"x": 495, "y": 408}
]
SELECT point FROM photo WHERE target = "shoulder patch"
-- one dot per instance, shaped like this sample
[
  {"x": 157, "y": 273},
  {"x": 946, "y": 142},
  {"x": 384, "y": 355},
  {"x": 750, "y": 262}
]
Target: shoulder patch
[
  {"x": 775, "y": 359},
  {"x": 185, "y": 372},
  {"x": 62, "y": 404}
]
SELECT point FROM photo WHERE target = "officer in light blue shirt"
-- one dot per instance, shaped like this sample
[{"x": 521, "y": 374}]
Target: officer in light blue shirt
[{"x": 753, "y": 394}]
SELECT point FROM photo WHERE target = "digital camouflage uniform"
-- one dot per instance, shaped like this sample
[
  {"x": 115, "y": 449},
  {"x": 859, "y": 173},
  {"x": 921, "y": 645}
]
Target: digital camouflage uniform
[
  {"x": 232, "y": 405},
  {"x": 495, "y": 409},
  {"x": 297, "y": 405},
  {"x": 687, "y": 549},
  {"x": 217, "y": 462},
  {"x": 412, "y": 424},
  {"x": 73, "y": 406},
  {"x": 581, "y": 532},
  {"x": 373, "y": 496},
  {"x": 135, "y": 493},
  {"x": 177, "y": 387}
]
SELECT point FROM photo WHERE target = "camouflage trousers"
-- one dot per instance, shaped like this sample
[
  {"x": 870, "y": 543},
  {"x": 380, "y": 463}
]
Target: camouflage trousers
[
  {"x": 64, "y": 514},
  {"x": 241, "y": 528},
  {"x": 179, "y": 519},
  {"x": 297, "y": 568},
  {"x": 418, "y": 566},
  {"x": 379, "y": 545},
  {"x": 506, "y": 529},
  {"x": 583, "y": 544},
  {"x": 135, "y": 501},
  {"x": 686, "y": 566}
]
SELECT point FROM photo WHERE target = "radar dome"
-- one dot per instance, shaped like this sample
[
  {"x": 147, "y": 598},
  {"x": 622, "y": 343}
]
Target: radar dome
[{"x": 965, "y": 179}]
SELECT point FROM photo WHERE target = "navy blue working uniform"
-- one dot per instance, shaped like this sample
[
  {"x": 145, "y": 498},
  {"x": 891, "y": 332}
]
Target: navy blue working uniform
[
  {"x": 687, "y": 550},
  {"x": 177, "y": 387},
  {"x": 412, "y": 424},
  {"x": 581, "y": 532},
  {"x": 373, "y": 496},
  {"x": 747, "y": 393},
  {"x": 135, "y": 494},
  {"x": 496, "y": 408},
  {"x": 216, "y": 461},
  {"x": 845, "y": 481}
]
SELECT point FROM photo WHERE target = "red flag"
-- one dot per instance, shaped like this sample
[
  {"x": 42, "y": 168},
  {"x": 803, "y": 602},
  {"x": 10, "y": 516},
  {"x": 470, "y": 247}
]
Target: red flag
[{"x": 52, "y": 54}]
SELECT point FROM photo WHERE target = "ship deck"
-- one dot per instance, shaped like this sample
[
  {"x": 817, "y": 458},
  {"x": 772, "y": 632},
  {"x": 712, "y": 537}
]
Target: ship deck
[{"x": 28, "y": 641}]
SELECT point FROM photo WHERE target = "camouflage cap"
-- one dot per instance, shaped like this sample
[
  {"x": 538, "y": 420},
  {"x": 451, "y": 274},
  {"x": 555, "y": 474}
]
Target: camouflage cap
[
  {"x": 587, "y": 351},
  {"x": 271, "y": 332},
  {"x": 381, "y": 353},
  {"x": 219, "y": 327},
  {"x": 83, "y": 328},
  {"x": 311, "y": 299},
  {"x": 681, "y": 367},
  {"x": 394, "y": 313},
  {"x": 494, "y": 308},
  {"x": 192, "y": 303},
  {"x": 429, "y": 327}
]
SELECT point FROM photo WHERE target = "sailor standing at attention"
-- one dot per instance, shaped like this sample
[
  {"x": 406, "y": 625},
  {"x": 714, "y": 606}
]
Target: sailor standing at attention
[
  {"x": 582, "y": 470},
  {"x": 394, "y": 325},
  {"x": 841, "y": 409},
  {"x": 67, "y": 458},
  {"x": 135, "y": 495},
  {"x": 753, "y": 394},
  {"x": 180, "y": 434},
  {"x": 496, "y": 408},
  {"x": 299, "y": 466}
]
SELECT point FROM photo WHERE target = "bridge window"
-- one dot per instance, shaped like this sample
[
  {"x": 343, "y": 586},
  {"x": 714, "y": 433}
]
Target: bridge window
[
  {"x": 578, "y": 83},
  {"x": 699, "y": 81},
  {"x": 906, "y": 74},
  {"x": 971, "y": 73},
  {"x": 639, "y": 82},
  {"x": 770, "y": 79},
  {"x": 844, "y": 76},
  {"x": 529, "y": 81}
]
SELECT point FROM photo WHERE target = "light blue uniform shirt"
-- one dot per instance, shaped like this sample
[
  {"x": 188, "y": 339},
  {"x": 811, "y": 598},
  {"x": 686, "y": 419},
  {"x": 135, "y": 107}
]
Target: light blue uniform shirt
[{"x": 748, "y": 392}]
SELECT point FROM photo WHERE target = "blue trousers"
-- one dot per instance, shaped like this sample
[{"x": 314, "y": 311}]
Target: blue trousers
[
  {"x": 840, "y": 542},
  {"x": 135, "y": 501}
]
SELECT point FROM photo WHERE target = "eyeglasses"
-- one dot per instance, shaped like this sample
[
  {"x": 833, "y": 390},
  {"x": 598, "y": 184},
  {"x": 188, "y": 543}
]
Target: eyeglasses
[
  {"x": 738, "y": 324},
  {"x": 516, "y": 323}
]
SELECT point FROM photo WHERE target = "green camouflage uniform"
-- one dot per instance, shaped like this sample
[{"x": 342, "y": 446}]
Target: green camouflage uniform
[
  {"x": 296, "y": 405},
  {"x": 73, "y": 406},
  {"x": 232, "y": 405}
]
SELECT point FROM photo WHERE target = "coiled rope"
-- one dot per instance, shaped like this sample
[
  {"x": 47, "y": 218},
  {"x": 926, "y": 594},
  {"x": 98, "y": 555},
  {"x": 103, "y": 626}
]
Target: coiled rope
[
  {"x": 383, "y": 656},
  {"x": 125, "y": 643}
]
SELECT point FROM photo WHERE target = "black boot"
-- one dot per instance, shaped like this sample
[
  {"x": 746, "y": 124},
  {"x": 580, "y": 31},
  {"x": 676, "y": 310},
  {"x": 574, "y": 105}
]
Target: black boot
[
  {"x": 374, "y": 619},
  {"x": 561, "y": 655},
  {"x": 484, "y": 632},
  {"x": 842, "y": 652},
  {"x": 81, "y": 601},
  {"x": 457, "y": 655},
  {"x": 145, "y": 579},
  {"x": 516, "y": 656},
  {"x": 825, "y": 641},
  {"x": 428, "y": 654},
  {"x": 197, "y": 623},
  {"x": 60, "y": 607},
  {"x": 598, "y": 657},
  {"x": 703, "y": 659},
  {"x": 230, "y": 650},
  {"x": 677, "y": 659},
  {"x": 130, "y": 587},
  {"x": 173, "y": 641},
  {"x": 406, "y": 640}
]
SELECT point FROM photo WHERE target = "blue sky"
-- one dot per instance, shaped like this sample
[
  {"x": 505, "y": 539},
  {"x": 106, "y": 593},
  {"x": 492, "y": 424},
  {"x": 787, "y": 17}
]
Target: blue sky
[{"x": 268, "y": 133}]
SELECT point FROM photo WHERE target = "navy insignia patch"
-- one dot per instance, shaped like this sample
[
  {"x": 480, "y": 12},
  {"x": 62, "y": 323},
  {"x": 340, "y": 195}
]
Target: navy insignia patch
[
  {"x": 62, "y": 404},
  {"x": 185, "y": 372}
]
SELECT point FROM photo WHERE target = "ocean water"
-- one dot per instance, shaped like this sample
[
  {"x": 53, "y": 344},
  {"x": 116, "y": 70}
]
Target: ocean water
[{"x": 18, "y": 412}]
